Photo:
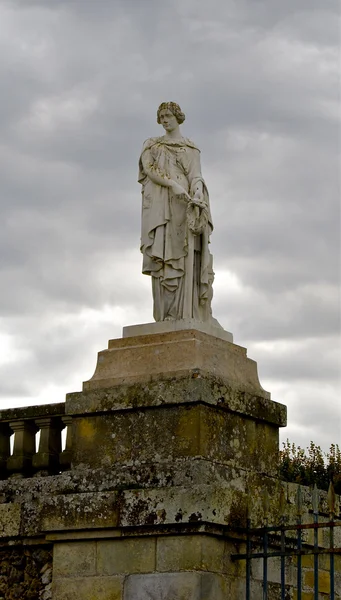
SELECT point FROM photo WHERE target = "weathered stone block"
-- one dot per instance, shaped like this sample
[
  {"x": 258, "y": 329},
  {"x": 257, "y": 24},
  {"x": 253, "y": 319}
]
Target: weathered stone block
[
  {"x": 80, "y": 511},
  {"x": 190, "y": 389},
  {"x": 304, "y": 595},
  {"x": 324, "y": 581},
  {"x": 74, "y": 558},
  {"x": 10, "y": 519},
  {"x": 230, "y": 437},
  {"x": 179, "y": 553},
  {"x": 190, "y": 552},
  {"x": 136, "y": 436},
  {"x": 274, "y": 570},
  {"x": 175, "y": 586},
  {"x": 205, "y": 503},
  {"x": 172, "y": 432},
  {"x": 88, "y": 588},
  {"x": 136, "y": 555}
]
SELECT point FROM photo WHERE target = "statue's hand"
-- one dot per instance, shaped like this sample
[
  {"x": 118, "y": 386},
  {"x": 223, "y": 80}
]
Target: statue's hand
[
  {"x": 177, "y": 189},
  {"x": 198, "y": 199}
]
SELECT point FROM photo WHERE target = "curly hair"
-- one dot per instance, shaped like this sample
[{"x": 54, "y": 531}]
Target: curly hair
[{"x": 175, "y": 110}]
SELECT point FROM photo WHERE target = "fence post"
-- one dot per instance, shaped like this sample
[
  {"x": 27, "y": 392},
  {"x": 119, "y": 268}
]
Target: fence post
[
  {"x": 299, "y": 505},
  {"x": 282, "y": 518},
  {"x": 331, "y": 499},
  {"x": 315, "y": 503},
  {"x": 248, "y": 559},
  {"x": 266, "y": 502}
]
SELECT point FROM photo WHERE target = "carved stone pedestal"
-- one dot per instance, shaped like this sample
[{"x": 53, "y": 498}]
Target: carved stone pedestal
[{"x": 171, "y": 435}]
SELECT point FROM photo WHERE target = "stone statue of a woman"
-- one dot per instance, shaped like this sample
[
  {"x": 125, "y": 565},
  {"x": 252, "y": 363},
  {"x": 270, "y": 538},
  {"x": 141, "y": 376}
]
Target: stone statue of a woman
[{"x": 176, "y": 222}]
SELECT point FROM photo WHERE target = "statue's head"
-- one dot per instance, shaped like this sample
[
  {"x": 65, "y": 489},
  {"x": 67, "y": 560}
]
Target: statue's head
[{"x": 174, "y": 109}]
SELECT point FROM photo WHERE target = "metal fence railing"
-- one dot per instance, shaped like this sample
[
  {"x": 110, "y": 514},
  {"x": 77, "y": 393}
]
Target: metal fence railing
[{"x": 292, "y": 543}]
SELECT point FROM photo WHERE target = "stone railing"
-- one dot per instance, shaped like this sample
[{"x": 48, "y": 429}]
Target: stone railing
[{"x": 22, "y": 458}]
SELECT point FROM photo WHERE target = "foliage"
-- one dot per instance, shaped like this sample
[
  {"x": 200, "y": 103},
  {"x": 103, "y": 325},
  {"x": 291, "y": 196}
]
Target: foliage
[{"x": 311, "y": 465}]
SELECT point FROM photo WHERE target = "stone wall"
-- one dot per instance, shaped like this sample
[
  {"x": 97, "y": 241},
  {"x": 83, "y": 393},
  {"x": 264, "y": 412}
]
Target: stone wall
[
  {"x": 169, "y": 566},
  {"x": 26, "y": 573}
]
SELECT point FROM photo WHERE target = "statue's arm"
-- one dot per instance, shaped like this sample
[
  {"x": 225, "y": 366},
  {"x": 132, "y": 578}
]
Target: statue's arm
[
  {"x": 196, "y": 181},
  {"x": 152, "y": 171},
  {"x": 156, "y": 175}
]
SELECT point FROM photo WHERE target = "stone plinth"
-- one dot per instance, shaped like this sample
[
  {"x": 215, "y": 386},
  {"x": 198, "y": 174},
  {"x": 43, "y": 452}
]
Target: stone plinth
[
  {"x": 176, "y": 403},
  {"x": 211, "y": 328},
  {"x": 175, "y": 355},
  {"x": 175, "y": 396}
]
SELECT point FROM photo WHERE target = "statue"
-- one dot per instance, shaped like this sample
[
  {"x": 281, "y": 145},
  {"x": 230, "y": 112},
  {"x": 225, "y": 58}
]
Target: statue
[{"x": 176, "y": 223}]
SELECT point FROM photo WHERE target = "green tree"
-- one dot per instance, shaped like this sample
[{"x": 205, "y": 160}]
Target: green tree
[{"x": 311, "y": 465}]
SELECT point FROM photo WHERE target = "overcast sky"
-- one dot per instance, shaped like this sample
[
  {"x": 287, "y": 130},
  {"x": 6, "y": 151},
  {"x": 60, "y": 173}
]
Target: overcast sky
[{"x": 259, "y": 83}]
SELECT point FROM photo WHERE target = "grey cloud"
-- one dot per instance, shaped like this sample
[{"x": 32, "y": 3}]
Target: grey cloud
[
  {"x": 259, "y": 84},
  {"x": 314, "y": 415},
  {"x": 314, "y": 361},
  {"x": 294, "y": 315},
  {"x": 10, "y": 388}
]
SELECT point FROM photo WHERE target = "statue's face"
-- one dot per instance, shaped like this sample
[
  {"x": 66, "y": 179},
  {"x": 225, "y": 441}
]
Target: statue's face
[{"x": 168, "y": 120}]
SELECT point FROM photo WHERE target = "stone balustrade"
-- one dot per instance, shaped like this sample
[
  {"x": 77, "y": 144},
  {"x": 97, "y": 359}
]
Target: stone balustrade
[{"x": 23, "y": 458}]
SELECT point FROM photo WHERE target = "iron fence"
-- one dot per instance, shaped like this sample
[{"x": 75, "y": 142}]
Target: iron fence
[{"x": 287, "y": 542}]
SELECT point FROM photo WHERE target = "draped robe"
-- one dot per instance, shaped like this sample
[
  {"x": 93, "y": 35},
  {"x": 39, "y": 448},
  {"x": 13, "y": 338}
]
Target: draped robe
[{"x": 165, "y": 235}]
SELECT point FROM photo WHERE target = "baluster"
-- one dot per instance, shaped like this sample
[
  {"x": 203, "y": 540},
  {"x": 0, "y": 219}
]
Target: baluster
[
  {"x": 47, "y": 457},
  {"x": 24, "y": 447},
  {"x": 5, "y": 434},
  {"x": 65, "y": 456}
]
